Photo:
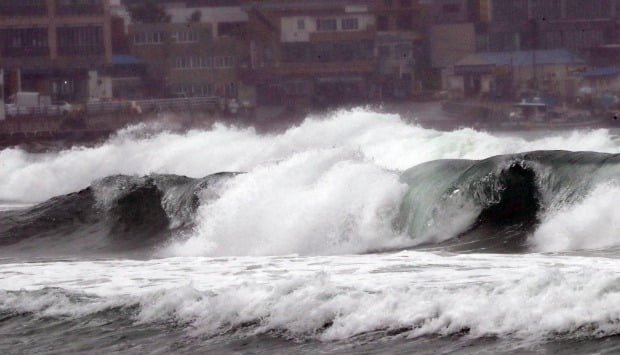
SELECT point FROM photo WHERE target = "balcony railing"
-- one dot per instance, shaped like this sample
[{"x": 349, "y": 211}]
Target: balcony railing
[
  {"x": 81, "y": 50},
  {"x": 79, "y": 7},
  {"x": 26, "y": 51},
  {"x": 311, "y": 69},
  {"x": 22, "y": 10}
]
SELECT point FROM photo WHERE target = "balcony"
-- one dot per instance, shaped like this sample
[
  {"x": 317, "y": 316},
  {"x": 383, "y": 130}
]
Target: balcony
[
  {"x": 10, "y": 8},
  {"x": 367, "y": 34},
  {"x": 314, "y": 69},
  {"x": 79, "y": 7},
  {"x": 26, "y": 51},
  {"x": 81, "y": 50}
]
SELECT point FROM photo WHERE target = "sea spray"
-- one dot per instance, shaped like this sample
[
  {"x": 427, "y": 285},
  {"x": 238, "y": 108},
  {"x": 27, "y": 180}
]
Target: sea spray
[{"x": 381, "y": 139}]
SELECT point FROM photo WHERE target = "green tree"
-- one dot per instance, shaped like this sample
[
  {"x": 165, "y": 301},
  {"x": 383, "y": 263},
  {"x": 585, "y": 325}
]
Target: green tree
[{"x": 147, "y": 11}]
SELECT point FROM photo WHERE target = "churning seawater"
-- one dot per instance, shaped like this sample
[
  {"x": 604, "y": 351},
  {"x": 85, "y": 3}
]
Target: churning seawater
[{"x": 355, "y": 232}]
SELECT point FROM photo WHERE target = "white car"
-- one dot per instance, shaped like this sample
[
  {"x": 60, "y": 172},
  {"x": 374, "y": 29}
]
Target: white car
[
  {"x": 10, "y": 109},
  {"x": 60, "y": 107}
]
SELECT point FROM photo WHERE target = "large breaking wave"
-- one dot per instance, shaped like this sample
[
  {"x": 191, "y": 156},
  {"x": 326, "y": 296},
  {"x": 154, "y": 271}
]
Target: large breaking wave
[
  {"x": 545, "y": 200},
  {"x": 380, "y": 139},
  {"x": 330, "y": 186}
]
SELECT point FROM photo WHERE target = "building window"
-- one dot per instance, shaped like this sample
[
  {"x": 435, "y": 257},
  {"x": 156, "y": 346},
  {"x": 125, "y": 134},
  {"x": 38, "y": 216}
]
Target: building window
[
  {"x": 341, "y": 51},
  {"x": 295, "y": 52},
  {"x": 231, "y": 29},
  {"x": 350, "y": 24},
  {"x": 510, "y": 11},
  {"x": 80, "y": 40},
  {"x": 63, "y": 88},
  {"x": 231, "y": 89},
  {"x": 195, "y": 61},
  {"x": 403, "y": 51},
  {"x": 140, "y": 38},
  {"x": 224, "y": 62},
  {"x": 207, "y": 62},
  {"x": 182, "y": 63},
  {"x": 79, "y": 7},
  {"x": 198, "y": 62},
  {"x": 383, "y": 51},
  {"x": 192, "y": 90},
  {"x": 301, "y": 24},
  {"x": 219, "y": 62},
  {"x": 23, "y": 8},
  {"x": 185, "y": 36},
  {"x": 404, "y": 22},
  {"x": 383, "y": 23},
  {"x": 295, "y": 88},
  {"x": 451, "y": 8},
  {"x": 267, "y": 55},
  {"x": 326, "y": 24},
  {"x": 579, "y": 9},
  {"x": 24, "y": 42}
]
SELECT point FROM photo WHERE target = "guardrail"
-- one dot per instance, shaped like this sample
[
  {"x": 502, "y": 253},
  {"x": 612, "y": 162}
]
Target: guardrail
[
  {"x": 153, "y": 105},
  {"x": 108, "y": 107},
  {"x": 35, "y": 111}
]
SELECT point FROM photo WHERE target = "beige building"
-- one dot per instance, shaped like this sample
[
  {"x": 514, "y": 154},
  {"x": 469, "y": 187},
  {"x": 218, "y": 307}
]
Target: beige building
[
  {"x": 197, "y": 57},
  {"x": 310, "y": 54},
  {"x": 450, "y": 43},
  {"x": 55, "y": 47}
]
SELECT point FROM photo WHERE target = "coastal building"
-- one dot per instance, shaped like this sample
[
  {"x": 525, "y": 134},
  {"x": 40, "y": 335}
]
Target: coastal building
[
  {"x": 598, "y": 81},
  {"x": 400, "y": 47},
  {"x": 55, "y": 47},
  {"x": 449, "y": 11},
  {"x": 196, "y": 53},
  {"x": 311, "y": 53},
  {"x": 452, "y": 35},
  {"x": 511, "y": 74},
  {"x": 547, "y": 24}
]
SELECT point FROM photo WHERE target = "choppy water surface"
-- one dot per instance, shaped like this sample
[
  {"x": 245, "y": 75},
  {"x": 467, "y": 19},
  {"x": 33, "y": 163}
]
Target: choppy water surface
[{"x": 350, "y": 233}]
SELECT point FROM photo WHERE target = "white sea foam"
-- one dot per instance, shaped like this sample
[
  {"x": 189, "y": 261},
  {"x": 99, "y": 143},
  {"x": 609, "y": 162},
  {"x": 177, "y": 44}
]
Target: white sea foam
[
  {"x": 592, "y": 223},
  {"x": 317, "y": 202},
  {"x": 380, "y": 139},
  {"x": 528, "y": 297}
]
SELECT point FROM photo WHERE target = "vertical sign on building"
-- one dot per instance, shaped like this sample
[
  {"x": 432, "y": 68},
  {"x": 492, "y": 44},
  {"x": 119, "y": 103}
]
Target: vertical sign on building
[{"x": 2, "y": 113}]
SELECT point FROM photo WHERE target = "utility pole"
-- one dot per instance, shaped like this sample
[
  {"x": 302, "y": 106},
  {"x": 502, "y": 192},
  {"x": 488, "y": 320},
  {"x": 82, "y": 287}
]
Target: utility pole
[
  {"x": 2, "y": 107},
  {"x": 534, "y": 44}
]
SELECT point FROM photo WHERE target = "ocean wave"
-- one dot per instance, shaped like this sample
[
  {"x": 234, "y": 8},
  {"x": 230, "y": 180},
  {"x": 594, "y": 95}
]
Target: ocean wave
[
  {"x": 319, "y": 203},
  {"x": 533, "y": 302},
  {"x": 591, "y": 223},
  {"x": 381, "y": 139}
]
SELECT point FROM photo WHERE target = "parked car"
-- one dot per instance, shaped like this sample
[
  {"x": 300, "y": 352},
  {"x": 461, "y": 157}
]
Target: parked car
[
  {"x": 10, "y": 109},
  {"x": 61, "y": 107}
]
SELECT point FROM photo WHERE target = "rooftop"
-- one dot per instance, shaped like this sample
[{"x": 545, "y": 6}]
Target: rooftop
[{"x": 599, "y": 72}]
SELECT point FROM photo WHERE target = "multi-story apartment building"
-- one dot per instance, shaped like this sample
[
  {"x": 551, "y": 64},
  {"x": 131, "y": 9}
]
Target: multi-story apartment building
[
  {"x": 309, "y": 52},
  {"x": 401, "y": 26},
  {"x": 197, "y": 53},
  {"x": 452, "y": 34},
  {"x": 55, "y": 47},
  {"x": 587, "y": 27},
  {"x": 449, "y": 11},
  {"x": 547, "y": 24}
]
